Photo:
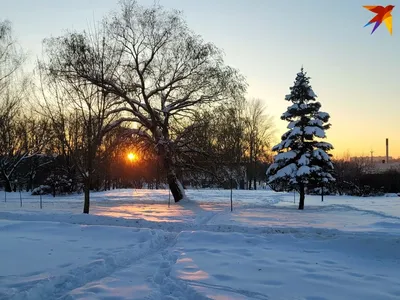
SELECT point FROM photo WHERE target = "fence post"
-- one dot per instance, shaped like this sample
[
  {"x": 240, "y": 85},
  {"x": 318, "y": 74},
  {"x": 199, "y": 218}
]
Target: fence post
[
  {"x": 231, "y": 194},
  {"x": 169, "y": 196},
  {"x": 41, "y": 205},
  {"x": 20, "y": 198},
  {"x": 322, "y": 193}
]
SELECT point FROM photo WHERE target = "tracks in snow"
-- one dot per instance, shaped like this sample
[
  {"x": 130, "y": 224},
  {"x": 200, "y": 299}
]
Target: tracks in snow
[
  {"x": 200, "y": 224},
  {"x": 155, "y": 252},
  {"x": 57, "y": 287},
  {"x": 158, "y": 249}
]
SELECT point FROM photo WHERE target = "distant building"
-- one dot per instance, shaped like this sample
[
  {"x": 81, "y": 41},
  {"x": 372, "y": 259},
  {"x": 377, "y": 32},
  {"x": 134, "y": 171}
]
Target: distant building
[
  {"x": 380, "y": 168},
  {"x": 374, "y": 159},
  {"x": 377, "y": 164}
]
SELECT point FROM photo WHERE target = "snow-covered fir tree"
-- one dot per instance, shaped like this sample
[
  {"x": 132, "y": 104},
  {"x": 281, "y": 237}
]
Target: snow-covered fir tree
[{"x": 302, "y": 158}]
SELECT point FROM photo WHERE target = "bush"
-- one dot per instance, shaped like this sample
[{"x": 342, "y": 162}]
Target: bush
[
  {"x": 42, "y": 190},
  {"x": 60, "y": 184}
]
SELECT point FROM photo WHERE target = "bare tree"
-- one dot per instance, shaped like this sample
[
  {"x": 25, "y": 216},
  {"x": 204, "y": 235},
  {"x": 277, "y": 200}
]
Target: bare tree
[
  {"x": 212, "y": 146},
  {"x": 349, "y": 173},
  {"x": 159, "y": 70},
  {"x": 79, "y": 115},
  {"x": 258, "y": 135},
  {"x": 12, "y": 150},
  {"x": 11, "y": 57},
  {"x": 35, "y": 136}
]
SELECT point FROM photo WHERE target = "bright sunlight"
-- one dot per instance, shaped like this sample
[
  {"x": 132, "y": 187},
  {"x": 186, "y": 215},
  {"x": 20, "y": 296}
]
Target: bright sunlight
[{"x": 132, "y": 156}]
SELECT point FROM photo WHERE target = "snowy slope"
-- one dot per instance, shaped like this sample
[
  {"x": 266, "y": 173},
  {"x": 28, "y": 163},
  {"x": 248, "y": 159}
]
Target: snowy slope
[{"x": 134, "y": 246}]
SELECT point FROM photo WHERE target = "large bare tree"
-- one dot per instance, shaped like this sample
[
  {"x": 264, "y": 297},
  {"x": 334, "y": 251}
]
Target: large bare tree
[
  {"x": 12, "y": 84},
  {"x": 159, "y": 70}
]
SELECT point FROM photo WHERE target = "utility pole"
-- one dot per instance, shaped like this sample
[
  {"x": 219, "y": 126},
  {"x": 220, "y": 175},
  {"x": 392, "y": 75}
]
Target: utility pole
[{"x": 387, "y": 151}]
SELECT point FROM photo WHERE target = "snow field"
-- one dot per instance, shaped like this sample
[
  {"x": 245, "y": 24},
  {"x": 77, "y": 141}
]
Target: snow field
[
  {"x": 237, "y": 266},
  {"x": 133, "y": 246}
]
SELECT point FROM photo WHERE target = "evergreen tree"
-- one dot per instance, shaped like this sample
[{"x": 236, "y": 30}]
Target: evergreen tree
[{"x": 302, "y": 158}]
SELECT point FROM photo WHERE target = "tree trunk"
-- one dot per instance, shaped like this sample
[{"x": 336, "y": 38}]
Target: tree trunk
[
  {"x": 86, "y": 203},
  {"x": 175, "y": 187},
  {"x": 251, "y": 162},
  {"x": 29, "y": 185},
  {"x": 255, "y": 165},
  {"x": 322, "y": 193},
  {"x": 249, "y": 178},
  {"x": 173, "y": 182},
  {"x": 158, "y": 175},
  {"x": 7, "y": 184},
  {"x": 255, "y": 177},
  {"x": 91, "y": 150},
  {"x": 302, "y": 196}
]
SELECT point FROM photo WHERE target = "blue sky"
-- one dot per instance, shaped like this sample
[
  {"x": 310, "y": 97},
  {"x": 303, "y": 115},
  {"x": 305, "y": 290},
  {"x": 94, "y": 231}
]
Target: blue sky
[{"x": 355, "y": 74}]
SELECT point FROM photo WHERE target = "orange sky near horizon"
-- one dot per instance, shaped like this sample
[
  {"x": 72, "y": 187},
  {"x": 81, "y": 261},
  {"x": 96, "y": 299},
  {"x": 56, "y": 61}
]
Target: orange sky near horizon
[
  {"x": 348, "y": 145},
  {"x": 354, "y": 131},
  {"x": 358, "y": 146},
  {"x": 355, "y": 74}
]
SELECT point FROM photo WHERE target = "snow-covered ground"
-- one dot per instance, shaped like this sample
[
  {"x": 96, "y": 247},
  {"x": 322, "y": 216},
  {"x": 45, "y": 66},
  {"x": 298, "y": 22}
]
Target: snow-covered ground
[{"x": 134, "y": 245}]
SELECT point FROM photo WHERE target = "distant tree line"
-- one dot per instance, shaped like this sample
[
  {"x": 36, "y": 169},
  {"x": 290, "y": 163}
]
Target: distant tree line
[{"x": 357, "y": 178}]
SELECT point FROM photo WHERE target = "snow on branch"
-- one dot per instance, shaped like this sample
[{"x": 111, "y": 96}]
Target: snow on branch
[
  {"x": 314, "y": 130},
  {"x": 324, "y": 146},
  {"x": 285, "y": 156},
  {"x": 323, "y": 116},
  {"x": 321, "y": 155},
  {"x": 287, "y": 171}
]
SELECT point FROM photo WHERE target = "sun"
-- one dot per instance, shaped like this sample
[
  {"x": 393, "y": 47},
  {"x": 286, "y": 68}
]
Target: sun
[{"x": 131, "y": 156}]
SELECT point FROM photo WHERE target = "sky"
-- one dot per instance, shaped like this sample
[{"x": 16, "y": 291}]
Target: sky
[{"x": 355, "y": 74}]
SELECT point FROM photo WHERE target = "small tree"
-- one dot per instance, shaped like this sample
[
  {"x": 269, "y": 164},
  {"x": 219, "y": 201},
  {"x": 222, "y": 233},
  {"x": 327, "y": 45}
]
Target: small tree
[{"x": 301, "y": 158}]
